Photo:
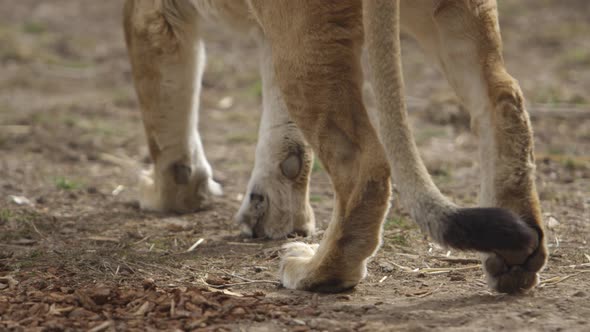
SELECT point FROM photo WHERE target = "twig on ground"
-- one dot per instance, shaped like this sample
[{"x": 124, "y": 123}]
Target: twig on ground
[
  {"x": 36, "y": 229},
  {"x": 240, "y": 283},
  {"x": 161, "y": 268},
  {"x": 195, "y": 245},
  {"x": 236, "y": 276},
  {"x": 246, "y": 283},
  {"x": 245, "y": 244},
  {"x": 145, "y": 307},
  {"x": 103, "y": 239},
  {"x": 225, "y": 291},
  {"x": 412, "y": 256},
  {"x": 452, "y": 259},
  {"x": 430, "y": 292},
  {"x": 558, "y": 279},
  {"x": 555, "y": 280},
  {"x": 124, "y": 162},
  {"x": 439, "y": 270},
  {"x": 403, "y": 268},
  {"x": 577, "y": 266},
  {"x": 141, "y": 241},
  {"x": 119, "y": 189},
  {"x": 435, "y": 270},
  {"x": 101, "y": 327},
  {"x": 172, "y": 308}
]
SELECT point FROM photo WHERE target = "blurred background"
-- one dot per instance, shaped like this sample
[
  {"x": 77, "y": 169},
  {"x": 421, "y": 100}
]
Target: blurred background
[
  {"x": 68, "y": 108},
  {"x": 71, "y": 139}
]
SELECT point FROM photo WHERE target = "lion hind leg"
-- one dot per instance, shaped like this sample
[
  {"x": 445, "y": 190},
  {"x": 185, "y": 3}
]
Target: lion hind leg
[
  {"x": 168, "y": 60},
  {"x": 506, "y": 141},
  {"x": 513, "y": 241},
  {"x": 465, "y": 40}
]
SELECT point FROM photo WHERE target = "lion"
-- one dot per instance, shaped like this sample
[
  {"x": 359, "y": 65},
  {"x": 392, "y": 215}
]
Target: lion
[{"x": 311, "y": 72}]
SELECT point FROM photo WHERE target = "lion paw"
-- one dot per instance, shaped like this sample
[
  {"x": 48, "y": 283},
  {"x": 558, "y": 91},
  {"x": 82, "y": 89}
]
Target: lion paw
[
  {"x": 302, "y": 269},
  {"x": 274, "y": 210},
  {"x": 512, "y": 271},
  {"x": 167, "y": 194},
  {"x": 295, "y": 263}
]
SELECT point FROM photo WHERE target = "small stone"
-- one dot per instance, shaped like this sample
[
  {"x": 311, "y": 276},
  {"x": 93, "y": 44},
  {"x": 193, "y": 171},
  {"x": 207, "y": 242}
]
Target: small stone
[
  {"x": 40, "y": 284},
  {"x": 66, "y": 290},
  {"x": 298, "y": 321},
  {"x": 259, "y": 269},
  {"x": 176, "y": 225},
  {"x": 386, "y": 267},
  {"x": 368, "y": 307},
  {"x": 552, "y": 223},
  {"x": 82, "y": 313},
  {"x": 580, "y": 294},
  {"x": 276, "y": 314},
  {"x": 456, "y": 277},
  {"x": 149, "y": 283},
  {"x": 323, "y": 324},
  {"x": 100, "y": 295},
  {"x": 226, "y": 102},
  {"x": 20, "y": 200},
  {"x": 216, "y": 281},
  {"x": 239, "y": 311}
]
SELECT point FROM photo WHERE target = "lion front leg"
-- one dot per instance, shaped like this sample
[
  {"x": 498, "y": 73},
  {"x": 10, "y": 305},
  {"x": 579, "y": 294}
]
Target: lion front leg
[
  {"x": 276, "y": 202},
  {"x": 168, "y": 60},
  {"x": 320, "y": 79}
]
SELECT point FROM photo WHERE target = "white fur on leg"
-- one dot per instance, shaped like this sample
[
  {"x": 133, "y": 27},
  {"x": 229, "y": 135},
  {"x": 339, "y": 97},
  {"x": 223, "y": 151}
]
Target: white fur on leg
[
  {"x": 280, "y": 203},
  {"x": 149, "y": 197},
  {"x": 295, "y": 263},
  {"x": 215, "y": 188}
]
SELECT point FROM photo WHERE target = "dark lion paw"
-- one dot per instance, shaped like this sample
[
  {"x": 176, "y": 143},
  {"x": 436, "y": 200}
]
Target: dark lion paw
[{"x": 510, "y": 271}]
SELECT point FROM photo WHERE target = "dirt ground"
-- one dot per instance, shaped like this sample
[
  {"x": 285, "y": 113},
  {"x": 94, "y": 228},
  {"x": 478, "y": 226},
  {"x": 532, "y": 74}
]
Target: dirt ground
[{"x": 77, "y": 254}]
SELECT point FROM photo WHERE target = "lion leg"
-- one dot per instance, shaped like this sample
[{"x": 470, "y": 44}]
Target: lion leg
[
  {"x": 320, "y": 78},
  {"x": 466, "y": 42},
  {"x": 276, "y": 203},
  {"x": 168, "y": 60}
]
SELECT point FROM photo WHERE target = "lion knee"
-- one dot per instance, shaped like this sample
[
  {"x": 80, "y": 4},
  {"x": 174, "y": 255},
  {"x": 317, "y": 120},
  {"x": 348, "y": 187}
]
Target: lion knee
[
  {"x": 163, "y": 25},
  {"x": 452, "y": 16}
]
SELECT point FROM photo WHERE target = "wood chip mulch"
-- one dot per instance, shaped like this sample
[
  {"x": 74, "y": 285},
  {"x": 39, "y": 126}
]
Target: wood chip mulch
[{"x": 38, "y": 304}]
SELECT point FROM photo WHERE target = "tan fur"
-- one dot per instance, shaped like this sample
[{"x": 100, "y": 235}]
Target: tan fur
[{"x": 312, "y": 75}]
